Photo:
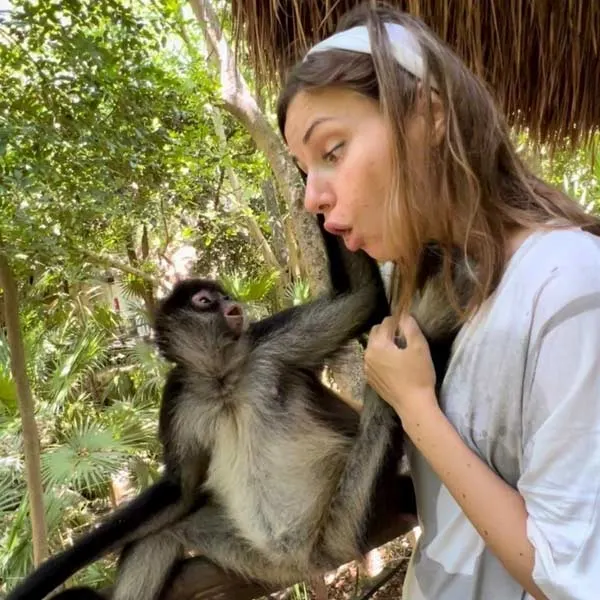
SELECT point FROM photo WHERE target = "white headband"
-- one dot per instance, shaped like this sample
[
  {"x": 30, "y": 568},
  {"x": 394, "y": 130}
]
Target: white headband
[{"x": 405, "y": 47}]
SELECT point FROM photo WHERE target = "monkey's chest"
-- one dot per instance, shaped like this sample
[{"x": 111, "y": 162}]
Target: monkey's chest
[{"x": 274, "y": 481}]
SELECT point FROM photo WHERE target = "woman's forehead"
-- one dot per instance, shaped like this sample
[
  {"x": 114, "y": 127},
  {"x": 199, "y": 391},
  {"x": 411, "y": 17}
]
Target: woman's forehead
[{"x": 310, "y": 107}]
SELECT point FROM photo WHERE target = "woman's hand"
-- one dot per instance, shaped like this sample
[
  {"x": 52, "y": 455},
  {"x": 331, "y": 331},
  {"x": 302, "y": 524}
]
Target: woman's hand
[{"x": 405, "y": 378}]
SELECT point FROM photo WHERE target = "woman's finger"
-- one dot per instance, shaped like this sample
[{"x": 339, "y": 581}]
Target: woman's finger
[
  {"x": 389, "y": 327},
  {"x": 408, "y": 325}
]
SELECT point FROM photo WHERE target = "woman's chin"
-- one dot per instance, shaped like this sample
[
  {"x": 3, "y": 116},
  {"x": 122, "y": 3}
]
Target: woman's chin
[{"x": 378, "y": 252}]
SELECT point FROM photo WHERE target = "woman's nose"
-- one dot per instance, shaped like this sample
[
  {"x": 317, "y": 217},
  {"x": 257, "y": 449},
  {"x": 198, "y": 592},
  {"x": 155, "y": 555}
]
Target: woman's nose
[{"x": 317, "y": 196}]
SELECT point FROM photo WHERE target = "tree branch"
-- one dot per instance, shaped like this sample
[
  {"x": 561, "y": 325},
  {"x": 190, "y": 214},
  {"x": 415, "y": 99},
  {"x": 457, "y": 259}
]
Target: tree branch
[
  {"x": 117, "y": 264},
  {"x": 31, "y": 438},
  {"x": 249, "y": 220}
]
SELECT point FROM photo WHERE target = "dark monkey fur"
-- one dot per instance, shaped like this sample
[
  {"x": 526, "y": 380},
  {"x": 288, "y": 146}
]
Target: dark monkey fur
[{"x": 268, "y": 473}]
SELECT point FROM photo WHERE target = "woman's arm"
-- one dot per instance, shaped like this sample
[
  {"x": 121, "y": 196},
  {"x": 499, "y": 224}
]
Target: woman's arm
[{"x": 495, "y": 509}]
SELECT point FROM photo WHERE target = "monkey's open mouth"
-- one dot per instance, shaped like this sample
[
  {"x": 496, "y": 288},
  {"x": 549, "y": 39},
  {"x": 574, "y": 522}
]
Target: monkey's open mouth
[
  {"x": 235, "y": 317},
  {"x": 233, "y": 310}
]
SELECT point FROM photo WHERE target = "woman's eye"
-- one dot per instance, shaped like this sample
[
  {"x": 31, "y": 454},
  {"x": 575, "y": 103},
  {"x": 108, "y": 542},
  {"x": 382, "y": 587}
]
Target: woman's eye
[{"x": 333, "y": 155}]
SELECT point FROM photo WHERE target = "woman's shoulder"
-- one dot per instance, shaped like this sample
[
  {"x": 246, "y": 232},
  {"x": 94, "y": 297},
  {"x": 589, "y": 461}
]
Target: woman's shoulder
[
  {"x": 551, "y": 270},
  {"x": 558, "y": 270},
  {"x": 561, "y": 248},
  {"x": 571, "y": 255}
]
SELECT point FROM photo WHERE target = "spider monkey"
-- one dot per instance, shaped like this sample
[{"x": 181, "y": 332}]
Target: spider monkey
[{"x": 268, "y": 473}]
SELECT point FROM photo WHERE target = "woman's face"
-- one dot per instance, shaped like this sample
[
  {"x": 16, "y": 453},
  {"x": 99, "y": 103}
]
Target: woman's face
[{"x": 340, "y": 140}]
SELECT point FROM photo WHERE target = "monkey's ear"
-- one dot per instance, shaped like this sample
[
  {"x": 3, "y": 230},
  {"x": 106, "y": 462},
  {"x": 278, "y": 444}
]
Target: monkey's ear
[
  {"x": 163, "y": 348},
  {"x": 163, "y": 345}
]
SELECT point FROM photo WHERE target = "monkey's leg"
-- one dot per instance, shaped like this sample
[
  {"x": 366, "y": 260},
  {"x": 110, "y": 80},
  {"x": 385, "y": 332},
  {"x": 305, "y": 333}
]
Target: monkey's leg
[
  {"x": 351, "y": 270},
  {"x": 146, "y": 565}
]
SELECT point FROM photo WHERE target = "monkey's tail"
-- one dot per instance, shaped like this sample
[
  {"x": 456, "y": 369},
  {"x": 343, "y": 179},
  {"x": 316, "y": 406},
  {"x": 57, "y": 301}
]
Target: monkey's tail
[
  {"x": 344, "y": 524},
  {"x": 124, "y": 525}
]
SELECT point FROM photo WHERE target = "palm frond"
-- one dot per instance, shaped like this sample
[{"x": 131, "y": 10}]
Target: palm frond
[
  {"x": 249, "y": 290},
  {"x": 132, "y": 287},
  {"x": 85, "y": 461},
  {"x": 15, "y": 543},
  {"x": 97, "y": 575},
  {"x": 11, "y": 493},
  {"x": 134, "y": 426},
  {"x": 16, "y": 555},
  {"x": 87, "y": 355},
  {"x": 8, "y": 391},
  {"x": 144, "y": 473},
  {"x": 4, "y": 353},
  {"x": 149, "y": 372},
  {"x": 297, "y": 292},
  {"x": 8, "y": 396}
]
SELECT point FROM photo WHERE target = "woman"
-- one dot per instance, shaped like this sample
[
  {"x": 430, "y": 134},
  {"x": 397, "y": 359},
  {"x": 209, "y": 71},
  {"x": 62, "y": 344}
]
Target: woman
[{"x": 401, "y": 144}]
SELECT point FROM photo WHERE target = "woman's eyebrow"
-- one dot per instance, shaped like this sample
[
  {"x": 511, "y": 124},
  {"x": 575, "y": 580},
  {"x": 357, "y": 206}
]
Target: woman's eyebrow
[{"x": 312, "y": 127}]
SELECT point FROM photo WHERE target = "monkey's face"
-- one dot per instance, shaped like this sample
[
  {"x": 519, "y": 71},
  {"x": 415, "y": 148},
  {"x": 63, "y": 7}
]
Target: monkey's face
[
  {"x": 215, "y": 301},
  {"x": 197, "y": 314}
]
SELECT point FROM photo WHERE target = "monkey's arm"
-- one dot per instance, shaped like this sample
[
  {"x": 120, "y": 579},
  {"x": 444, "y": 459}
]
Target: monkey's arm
[
  {"x": 305, "y": 336},
  {"x": 350, "y": 270},
  {"x": 159, "y": 505},
  {"x": 186, "y": 462}
]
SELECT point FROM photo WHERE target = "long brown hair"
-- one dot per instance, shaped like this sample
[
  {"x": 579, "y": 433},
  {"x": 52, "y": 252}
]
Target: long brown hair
[{"x": 472, "y": 186}]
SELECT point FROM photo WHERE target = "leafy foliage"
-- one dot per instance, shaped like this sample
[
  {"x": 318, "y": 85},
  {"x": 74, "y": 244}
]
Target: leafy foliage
[
  {"x": 576, "y": 172},
  {"x": 102, "y": 123}
]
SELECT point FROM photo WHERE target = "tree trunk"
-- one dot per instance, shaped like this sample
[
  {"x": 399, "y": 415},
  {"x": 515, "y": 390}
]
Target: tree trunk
[
  {"x": 239, "y": 101},
  {"x": 280, "y": 242},
  {"x": 292, "y": 248},
  {"x": 31, "y": 441}
]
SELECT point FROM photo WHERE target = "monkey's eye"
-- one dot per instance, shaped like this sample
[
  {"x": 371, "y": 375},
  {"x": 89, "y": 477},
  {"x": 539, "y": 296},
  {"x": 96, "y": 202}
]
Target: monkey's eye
[{"x": 201, "y": 299}]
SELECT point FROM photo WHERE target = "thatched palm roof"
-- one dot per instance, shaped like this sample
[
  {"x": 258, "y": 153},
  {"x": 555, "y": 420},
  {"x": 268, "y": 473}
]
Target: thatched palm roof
[{"x": 542, "y": 57}]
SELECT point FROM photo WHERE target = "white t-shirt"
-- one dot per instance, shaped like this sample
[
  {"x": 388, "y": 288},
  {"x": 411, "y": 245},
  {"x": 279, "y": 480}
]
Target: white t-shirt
[{"x": 523, "y": 391}]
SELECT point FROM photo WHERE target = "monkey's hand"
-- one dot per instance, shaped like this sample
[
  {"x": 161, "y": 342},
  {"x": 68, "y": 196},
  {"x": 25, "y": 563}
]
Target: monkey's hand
[{"x": 402, "y": 374}]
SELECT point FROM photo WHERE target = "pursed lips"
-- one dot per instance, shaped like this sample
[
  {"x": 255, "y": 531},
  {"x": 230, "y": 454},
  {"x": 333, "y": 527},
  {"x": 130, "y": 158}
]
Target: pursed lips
[{"x": 351, "y": 242}]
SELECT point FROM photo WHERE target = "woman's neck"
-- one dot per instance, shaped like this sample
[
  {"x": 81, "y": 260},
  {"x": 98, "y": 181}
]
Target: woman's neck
[{"x": 514, "y": 240}]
